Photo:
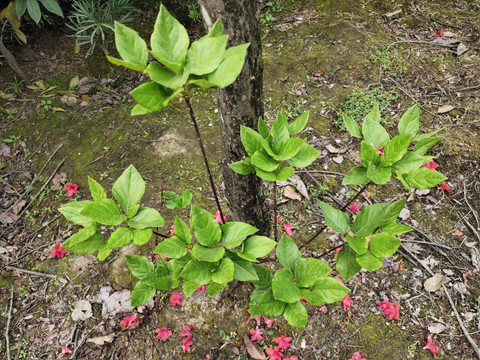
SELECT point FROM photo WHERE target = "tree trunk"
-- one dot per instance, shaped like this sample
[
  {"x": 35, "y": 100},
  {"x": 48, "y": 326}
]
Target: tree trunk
[{"x": 241, "y": 104}]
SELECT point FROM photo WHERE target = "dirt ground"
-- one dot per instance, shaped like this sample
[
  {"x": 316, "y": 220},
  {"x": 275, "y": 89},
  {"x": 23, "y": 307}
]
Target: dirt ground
[{"x": 328, "y": 57}]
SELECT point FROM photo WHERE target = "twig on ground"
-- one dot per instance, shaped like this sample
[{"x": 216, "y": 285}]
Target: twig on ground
[
  {"x": 13, "y": 268},
  {"x": 411, "y": 96},
  {"x": 7, "y": 338},
  {"x": 470, "y": 206}
]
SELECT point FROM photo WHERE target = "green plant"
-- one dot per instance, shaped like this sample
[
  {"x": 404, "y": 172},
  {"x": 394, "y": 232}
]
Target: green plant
[
  {"x": 46, "y": 104},
  {"x": 390, "y": 62},
  {"x": 17, "y": 85},
  {"x": 33, "y": 9},
  {"x": 13, "y": 139},
  {"x": 92, "y": 20},
  {"x": 268, "y": 19}
]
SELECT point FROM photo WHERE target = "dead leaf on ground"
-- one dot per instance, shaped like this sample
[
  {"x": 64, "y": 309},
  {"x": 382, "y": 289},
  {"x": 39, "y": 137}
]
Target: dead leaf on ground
[
  {"x": 82, "y": 311},
  {"x": 436, "y": 328},
  {"x": 253, "y": 349},
  {"x": 338, "y": 159},
  {"x": 57, "y": 179},
  {"x": 413, "y": 248},
  {"x": 461, "y": 288},
  {"x": 18, "y": 206},
  {"x": 434, "y": 283},
  {"x": 333, "y": 150},
  {"x": 102, "y": 340},
  {"x": 290, "y": 193},
  {"x": 444, "y": 109}
]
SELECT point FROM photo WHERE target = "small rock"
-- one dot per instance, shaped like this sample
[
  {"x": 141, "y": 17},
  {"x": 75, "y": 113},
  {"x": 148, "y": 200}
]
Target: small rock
[{"x": 404, "y": 214}]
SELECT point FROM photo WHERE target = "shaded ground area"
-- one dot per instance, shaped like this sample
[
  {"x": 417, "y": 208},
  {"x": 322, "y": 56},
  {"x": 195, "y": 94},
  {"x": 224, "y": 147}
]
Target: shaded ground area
[{"x": 329, "y": 57}]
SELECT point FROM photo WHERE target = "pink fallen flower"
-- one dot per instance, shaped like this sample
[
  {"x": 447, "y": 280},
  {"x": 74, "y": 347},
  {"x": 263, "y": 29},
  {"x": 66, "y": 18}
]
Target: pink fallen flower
[
  {"x": 218, "y": 218},
  {"x": 274, "y": 353},
  {"x": 172, "y": 229},
  {"x": 283, "y": 342},
  {"x": 256, "y": 334},
  {"x": 392, "y": 311},
  {"x": 324, "y": 309},
  {"x": 431, "y": 346},
  {"x": 354, "y": 207},
  {"x": 163, "y": 333},
  {"x": 347, "y": 302},
  {"x": 175, "y": 299},
  {"x": 432, "y": 165},
  {"x": 291, "y": 358},
  {"x": 65, "y": 350},
  {"x": 288, "y": 229},
  {"x": 445, "y": 187},
  {"x": 439, "y": 34},
  {"x": 59, "y": 251},
  {"x": 201, "y": 288},
  {"x": 71, "y": 189},
  {"x": 357, "y": 356},
  {"x": 186, "y": 343},
  {"x": 268, "y": 322},
  {"x": 130, "y": 321},
  {"x": 280, "y": 219}
]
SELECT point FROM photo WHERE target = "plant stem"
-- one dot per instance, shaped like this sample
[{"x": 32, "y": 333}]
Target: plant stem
[
  {"x": 342, "y": 209},
  {"x": 200, "y": 142},
  {"x": 275, "y": 209}
]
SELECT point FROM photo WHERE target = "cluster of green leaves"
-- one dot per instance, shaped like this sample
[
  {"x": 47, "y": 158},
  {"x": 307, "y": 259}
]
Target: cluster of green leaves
[
  {"x": 173, "y": 201},
  {"x": 204, "y": 64},
  {"x": 280, "y": 294},
  {"x": 382, "y": 156},
  {"x": 32, "y": 7},
  {"x": 370, "y": 237},
  {"x": 127, "y": 190},
  {"x": 269, "y": 149}
]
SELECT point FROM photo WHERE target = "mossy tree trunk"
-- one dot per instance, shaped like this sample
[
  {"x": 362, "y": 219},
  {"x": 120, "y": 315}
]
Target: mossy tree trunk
[{"x": 241, "y": 104}]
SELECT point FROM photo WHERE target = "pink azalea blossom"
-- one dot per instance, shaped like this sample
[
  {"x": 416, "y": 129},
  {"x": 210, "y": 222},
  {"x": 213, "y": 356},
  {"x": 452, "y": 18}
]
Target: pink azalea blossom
[
  {"x": 357, "y": 356},
  {"x": 172, "y": 229},
  {"x": 431, "y": 346},
  {"x": 432, "y": 165},
  {"x": 291, "y": 358},
  {"x": 130, "y": 321},
  {"x": 324, "y": 309},
  {"x": 439, "y": 34},
  {"x": 347, "y": 302},
  {"x": 186, "y": 343},
  {"x": 175, "y": 299},
  {"x": 71, "y": 189},
  {"x": 354, "y": 207},
  {"x": 163, "y": 333},
  {"x": 65, "y": 350},
  {"x": 218, "y": 218},
  {"x": 280, "y": 219},
  {"x": 380, "y": 151},
  {"x": 288, "y": 229},
  {"x": 268, "y": 322},
  {"x": 256, "y": 334},
  {"x": 274, "y": 353},
  {"x": 337, "y": 250},
  {"x": 59, "y": 251},
  {"x": 201, "y": 288},
  {"x": 445, "y": 187},
  {"x": 283, "y": 342},
  {"x": 392, "y": 311}
]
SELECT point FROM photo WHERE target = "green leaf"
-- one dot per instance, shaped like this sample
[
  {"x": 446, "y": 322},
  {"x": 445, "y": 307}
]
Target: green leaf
[
  {"x": 279, "y": 129},
  {"x": 284, "y": 287},
  {"x": 234, "y": 233},
  {"x": 140, "y": 266},
  {"x": 287, "y": 252},
  {"x": 374, "y": 114},
  {"x": 334, "y": 218},
  {"x": 169, "y": 41},
  {"x": 129, "y": 188},
  {"x": 189, "y": 287},
  {"x": 214, "y": 289},
  {"x": 423, "y": 178},
  {"x": 105, "y": 212},
  {"x": 270, "y": 306},
  {"x": 368, "y": 155},
  {"x": 296, "y": 315},
  {"x": 284, "y": 173},
  {"x": 356, "y": 176},
  {"x": 383, "y": 245},
  {"x": 141, "y": 294},
  {"x": 253, "y": 304},
  {"x": 120, "y": 237},
  {"x": 142, "y": 236},
  {"x": 331, "y": 290},
  {"x": 140, "y": 110},
  {"x": 421, "y": 137},
  {"x": 216, "y": 29},
  {"x": 258, "y": 246},
  {"x": 393, "y": 211},
  {"x": 369, "y": 219},
  {"x": 165, "y": 77},
  {"x": 34, "y": 10},
  {"x": 422, "y": 146},
  {"x": 133, "y": 67},
  {"x": 103, "y": 252},
  {"x": 173, "y": 201},
  {"x": 353, "y": 128},
  {"x": 347, "y": 265},
  {"x": 197, "y": 271},
  {"x": 224, "y": 272},
  {"x": 72, "y": 211},
  {"x": 133, "y": 211},
  {"x": 374, "y": 133},
  {"x": 369, "y": 261},
  {"x": 262, "y": 128},
  {"x": 251, "y": 140},
  {"x": 151, "y": 96},
  {"x": 305, "y": 156},
  {"x": 146, "y": 217},
  {"x": 20, "y": 7},
  {"x": 395, "y": 149},
  {"x": 265, "y": 175},
  {"x": 52, "y": 6},
  {"x": 264, "y": 161},
  {"x": 86, "y": 241},
  {"x": 243, "y": 270},
  {"x": 158, "y": 278},
  {"x": 182, "y": 231},
  {"x": 410, "y": 121},
  {"x": 206, "y": 54},
  {"x": 172, "y": 247},
  {"x": 288, "y": 149},
  {"x": 307, "y": 271},
  {"x": 410, "y": 161},
  {"x": 299, "y": 124},
  {"x": 241, "y": 168},
  {"x": 205, "y": 227},
  {"x": 264, "y": 277},
  {"x": 230, "y": 67},
  {"x": 358, "y": 244},
  {"x": 379, "y": 176},
  {"x": 131, "y": 47},
  {"x": 395, "y": 229},
  {"x": 208, "y": 254}
]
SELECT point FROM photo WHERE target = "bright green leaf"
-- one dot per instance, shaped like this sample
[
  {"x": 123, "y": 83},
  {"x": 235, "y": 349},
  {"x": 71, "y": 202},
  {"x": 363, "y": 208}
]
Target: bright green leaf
[
  {"x": 331, "y": 290},
  {"x": 197, "y": 271},
  {"x": 379, "y": 176},
  {"x": 72, "y": 211},
  {"x": 374, "y": 133},
  {"x": 356, "y": 176},
  {"x": 383, "y": 245},
  {"x": 151, "y": 96},
  {"x": 120, "y": 237},
  {"x": 224, "y": 272},
  {"x": 305, "y": 156},
  {"x": 284, "y": 173},
  {"x": 234, "y": 233},
  {"x": 307, "y": 271},
  {"x": 347, "y": 265},
  {"x": 165, "y": 77},
  {"x": 299, "y": 124},
  {"x": 395, "y": 149},
  {"x": 353, "y": 128},
  {"x": 140, "y": 266},
  {"x": 422, "y": 146},
  {"x": 205, "y": 227},
  {"x": 241, "y": 168},
  {"x": 206, "y": 54},
  {"x": 105, "y": 212},
  {"x": 230, "y": 67},
  {"x": 172, "y": 247},
  {"x": 146, "y": 217},
  {"x": 142, "y": 236},
  {"x": 288, "y": 149},
  {"x": 258, "y": 246},
  {"x": 141, "y": 294},
  {"x": 129, "y": 188},
  {"x": 423, "y": 178},
  {"x": 368, "y": 155},
  {"x": 270, "y": 306},
  {"x": 131, "y": 47},
  {"x": 296, "y": 315},
  {"x": 410, "y": 121},
  {"x": 208, "y": 254},
  {"x": 369, "y": 219},
  {"x": 264, "y": 277},
  {"x": 287, "y": 252},
  {"x": 369, "y": 261},
  {"x": 264, "y": 161},
  {"x": 182, "y": 231},
  {"x": 334, "y": 218},
  {"x": 284, "y": 287},
  {"x": 358, "y": 244}
]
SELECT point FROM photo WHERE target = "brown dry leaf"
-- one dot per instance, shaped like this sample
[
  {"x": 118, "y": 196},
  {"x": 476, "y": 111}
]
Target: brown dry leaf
[
  {"x": 290, "y": 193},
  {"x": 18, "y": 206},
  {"x": 461, "y": 288},
  {"x": 253, "y": 349},
  {"x": 302, "y": 189},
  {"x": 434, "y": 283},
  {"x": 57, "y": 179},
  {"x": 445, "y": 108},
  {"x": 102, "y": 340},
  {"x": 333, "y": 150},
  {"x": 413, "y": 248}
]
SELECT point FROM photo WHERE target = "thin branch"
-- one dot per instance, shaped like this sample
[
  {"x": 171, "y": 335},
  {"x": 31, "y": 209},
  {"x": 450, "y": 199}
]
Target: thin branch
[
  {"x": 470, "y": 206},
  {"x": 8, "y": 324},
  {"x": 161, "y": 235},
  {"x": 51, "y": 276},
  {"x": 275, "y": 210}
]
